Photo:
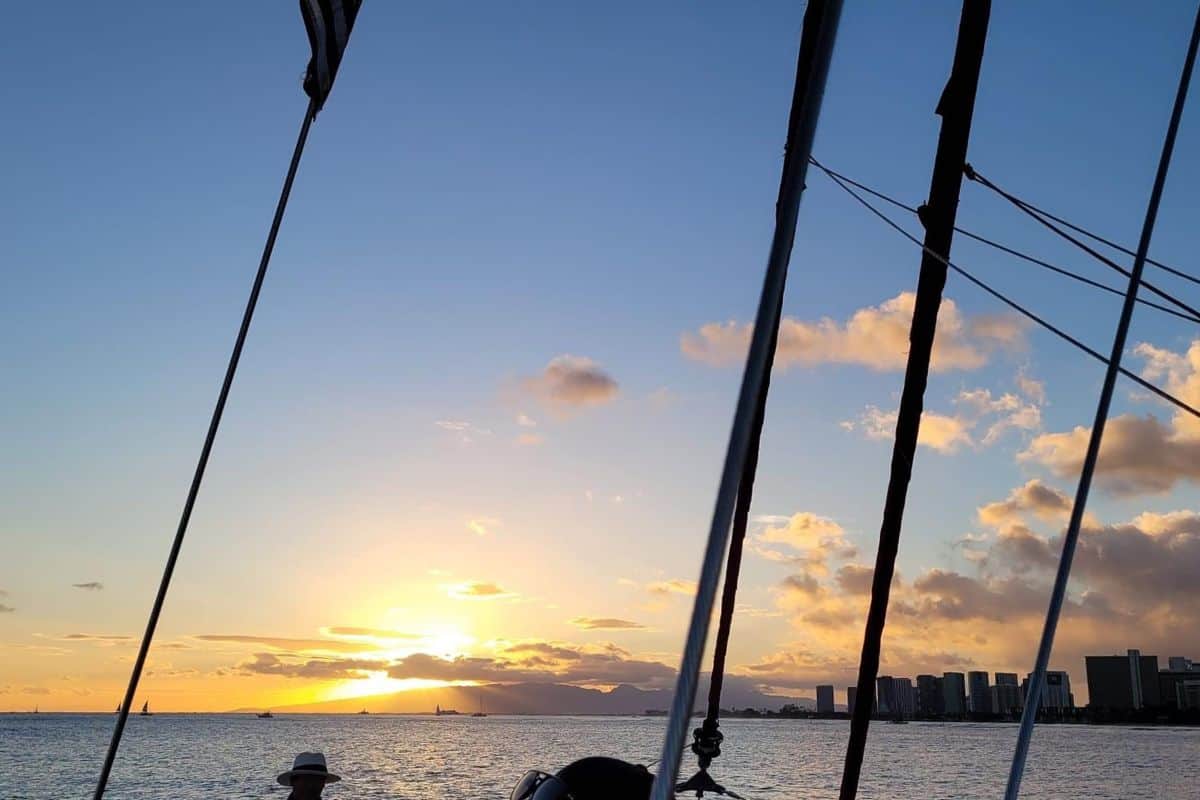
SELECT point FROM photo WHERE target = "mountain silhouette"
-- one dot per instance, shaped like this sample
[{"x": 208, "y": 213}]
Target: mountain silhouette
[{"x": 542, "y": 698}]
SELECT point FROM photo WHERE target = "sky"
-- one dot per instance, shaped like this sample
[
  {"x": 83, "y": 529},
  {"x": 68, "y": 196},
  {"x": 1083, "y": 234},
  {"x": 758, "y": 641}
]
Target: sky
[{"x": 485, "y": 399}]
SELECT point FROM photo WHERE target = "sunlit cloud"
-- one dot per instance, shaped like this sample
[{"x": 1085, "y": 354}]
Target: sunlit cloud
[
  {"x": 672, "y": 586},
  {"x": 370, "y": 633},
  {"x": 875, "y": 337},
  {"x": 530, "y": 439},
  {"x": 286, "y": 643},
  {"x": 526, "y": 421},
  {"x": 606, "y": 624},
  {"x": 977, "y": 411},
  {"x": 1138, "y": 454},
  {"x": 482, "y": 526},
  {"x": 478, "y": 590}
]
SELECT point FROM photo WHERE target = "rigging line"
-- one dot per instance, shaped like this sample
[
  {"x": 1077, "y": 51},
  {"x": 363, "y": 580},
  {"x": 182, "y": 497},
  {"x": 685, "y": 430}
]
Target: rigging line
[
  {"x": 973, "y": 175},
  {"x": 202, "y": 463},
  {"x": 1059, "y": 592},
  {"x": 1011, "y": 251},
  {"x": 818, "y": 33},
  {"x": 1109, "y": 243},
  {"x": 1014, "y": 305}
]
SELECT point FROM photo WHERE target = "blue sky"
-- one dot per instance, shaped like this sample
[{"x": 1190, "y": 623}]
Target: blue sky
[{"x": 489, "y": 187}]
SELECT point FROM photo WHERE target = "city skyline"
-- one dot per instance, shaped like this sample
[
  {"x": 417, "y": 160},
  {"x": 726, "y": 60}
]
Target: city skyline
[{"x": 477, "y": 428}]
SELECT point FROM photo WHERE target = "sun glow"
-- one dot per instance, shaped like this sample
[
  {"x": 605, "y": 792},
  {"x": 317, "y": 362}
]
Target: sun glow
[{"x": 378, "y": 683}]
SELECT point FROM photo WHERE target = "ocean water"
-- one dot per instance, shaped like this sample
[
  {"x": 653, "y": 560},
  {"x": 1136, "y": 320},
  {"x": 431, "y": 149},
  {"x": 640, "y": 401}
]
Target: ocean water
[{"x": 190, "y": 757}]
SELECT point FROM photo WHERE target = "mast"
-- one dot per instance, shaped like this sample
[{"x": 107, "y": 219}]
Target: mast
[
  {"x": 816, "y": 48},
  {"x": 955, "y": 107}
]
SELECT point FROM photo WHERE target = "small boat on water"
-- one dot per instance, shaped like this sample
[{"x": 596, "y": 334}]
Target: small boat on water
[
  {"x": 266, "y": 715},
  {"x": 364, "y": 711},
  {"x": 480, "y": 712},
  {"x": 445, "y": 712},
  {"x": 145, "y": 709}
]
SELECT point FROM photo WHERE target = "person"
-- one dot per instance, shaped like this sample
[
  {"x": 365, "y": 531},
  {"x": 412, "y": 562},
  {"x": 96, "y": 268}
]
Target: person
[
  {"x": 307, "y": 777},
  {"x": 592, "y": 778}
]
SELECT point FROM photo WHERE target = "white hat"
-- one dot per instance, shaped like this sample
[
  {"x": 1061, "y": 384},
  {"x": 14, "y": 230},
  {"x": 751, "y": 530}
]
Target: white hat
[{"x": 308, "y": 764}]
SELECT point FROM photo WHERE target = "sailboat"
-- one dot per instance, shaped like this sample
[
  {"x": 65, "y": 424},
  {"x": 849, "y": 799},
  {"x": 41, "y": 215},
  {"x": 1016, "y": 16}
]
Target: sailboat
[
  {"x": 364, "y": 711},
  {"x": 479, "y": 713},
  {"x": 145, "y": 709},
  {"x": 266, "y": 715}
]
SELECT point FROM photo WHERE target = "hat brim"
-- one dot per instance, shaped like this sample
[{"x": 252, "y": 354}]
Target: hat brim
[{"x": 285, "y": 779}]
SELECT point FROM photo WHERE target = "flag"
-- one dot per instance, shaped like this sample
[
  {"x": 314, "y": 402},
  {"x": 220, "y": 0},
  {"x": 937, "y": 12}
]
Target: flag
[{"x": 328, "y": 23}]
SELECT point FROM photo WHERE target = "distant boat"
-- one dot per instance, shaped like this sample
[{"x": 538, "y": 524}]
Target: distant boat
[
  {"x": 145, "y": 709},
  {"x": 35, "y": 710},
  {"x": 479, "y": 713},
  {"x": 364, "y": 711},
  {"x": 118, "y": 711},
  {"x": 266, "y": 715},
  {"x": 445, "y": 712}
]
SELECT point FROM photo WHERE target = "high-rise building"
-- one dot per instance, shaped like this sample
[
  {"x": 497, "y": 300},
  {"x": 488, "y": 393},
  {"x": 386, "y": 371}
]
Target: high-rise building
[
  {"x": 980, "y": 692},
  {"x": 1056, "y": 694},
  {"x": 905, "y": 697},
  {"x": 1187, "y": 695},
  {"x": 885, "y": 695},
  {"x": 1123, "y": 683},
  {"x": 931, "y": 701},
  {"x": 1179, "y": 664},
  {"x": 954, "y": 694},
  {"x": 851, "y": 692},
  {"x": 825, "y": 699}
]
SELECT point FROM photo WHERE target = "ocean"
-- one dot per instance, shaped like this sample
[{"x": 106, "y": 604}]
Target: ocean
[{"x": 203, "y": 756}]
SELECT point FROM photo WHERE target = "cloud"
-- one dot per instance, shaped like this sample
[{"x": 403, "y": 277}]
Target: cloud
[
  {"x": 814, "y": 537},
  {"x": 464, "y": 432},
  {"x": 855, "y": 579},
  {"x": 526, "y": 421},
  {"x": 6, "y": 609},
  {"x": 478, "y": 590},
  {"x": 90, "y": 586},
  {"x": 542, "y": 662},
  {"x": 1034, "y": 389},
  {"x": 803, "y": 584},
  {"x": 1034, "y": 497},
  {"x": 672, "y": 586},
  {"x": 571, "y": 382},
  {"x": 606, "y": 624},
  {"x": 1138, "y": 455},
  {"x": 530, "y": 440},
  {"x": 939, "y": 432},
  {"x": 948, "y": 433},
  {"x": 481, "y": 526},
  {"x": 99, "y": 638},
  {"x": 313, "y": 669},
  {"x": 286, "y": 643},
  {"x": 875, "y": 337},
  {"x": 372, "y": 633}
]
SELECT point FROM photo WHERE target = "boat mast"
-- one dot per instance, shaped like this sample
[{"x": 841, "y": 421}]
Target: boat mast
[{"x": 956, "y": 106}]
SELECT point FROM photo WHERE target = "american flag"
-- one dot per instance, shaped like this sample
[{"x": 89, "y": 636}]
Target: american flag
[{"x": 328, "y": 23}]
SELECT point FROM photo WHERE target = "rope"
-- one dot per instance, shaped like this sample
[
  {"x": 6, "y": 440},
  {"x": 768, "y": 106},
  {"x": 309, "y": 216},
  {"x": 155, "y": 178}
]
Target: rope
[
  {"x": 1058, "y": 595},
  {"x": 1013, "y": 304},
  {"x": 973, "y": 175},
  {"x": 1011, "y": 251},
  {"x": 816, "y": 48},
  {"x": 1109, "y": 243},
  {"x": 198, "y": 476}
]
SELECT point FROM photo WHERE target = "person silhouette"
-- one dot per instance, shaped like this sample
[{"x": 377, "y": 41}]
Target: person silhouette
[{"x": 307, "y": 777}]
